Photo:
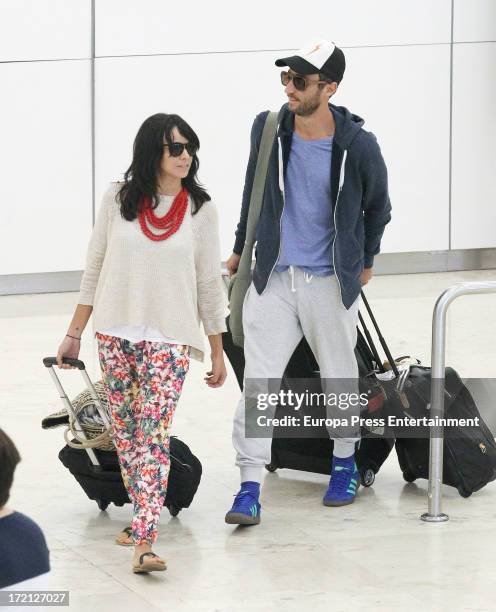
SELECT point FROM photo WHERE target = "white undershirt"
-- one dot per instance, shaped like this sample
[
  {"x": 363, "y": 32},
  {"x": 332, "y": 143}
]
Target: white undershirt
[{"x": 137, "y": 333}]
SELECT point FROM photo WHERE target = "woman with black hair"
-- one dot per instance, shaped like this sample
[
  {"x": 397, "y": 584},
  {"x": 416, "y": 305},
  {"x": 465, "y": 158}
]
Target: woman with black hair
[{"x": 152, "y": 274}]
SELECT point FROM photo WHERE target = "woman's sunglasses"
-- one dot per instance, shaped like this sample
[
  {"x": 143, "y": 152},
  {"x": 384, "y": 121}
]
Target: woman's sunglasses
[
  {"x": 300, "y": 83},
  {"x": 176, "y": 149}
]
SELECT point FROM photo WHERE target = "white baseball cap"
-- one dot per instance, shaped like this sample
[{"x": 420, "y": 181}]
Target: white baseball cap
[{"x": 321, "y": 57}]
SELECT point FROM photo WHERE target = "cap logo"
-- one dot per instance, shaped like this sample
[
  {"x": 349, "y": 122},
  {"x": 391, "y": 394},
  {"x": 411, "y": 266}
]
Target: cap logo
[{"x": 314, "y": 49}]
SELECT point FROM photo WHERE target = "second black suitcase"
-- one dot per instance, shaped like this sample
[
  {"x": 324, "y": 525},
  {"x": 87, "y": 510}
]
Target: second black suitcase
[
  {"x": 469, "y": 453},
  {"x": 314, "y": 454}
]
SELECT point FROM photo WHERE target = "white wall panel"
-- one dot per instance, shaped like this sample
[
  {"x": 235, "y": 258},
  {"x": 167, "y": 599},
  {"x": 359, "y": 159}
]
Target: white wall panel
[
  {"x": 220, "y": 109},
  {"x": 474, "y": 20},
  {"x": 45, "y": 191},
  {"x": 126, "y": 27},
  {"x": 406, "y": 107},
  {"x": 474, "y": 135},
  {"x": 44, "y": 29}
]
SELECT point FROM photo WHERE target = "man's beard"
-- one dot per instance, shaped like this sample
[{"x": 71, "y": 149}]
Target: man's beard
[{"x": 307, "y": 108}]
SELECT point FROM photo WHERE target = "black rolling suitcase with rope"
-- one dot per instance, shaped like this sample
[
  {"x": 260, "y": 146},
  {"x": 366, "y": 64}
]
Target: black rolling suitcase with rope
[{"x": 91, "y": 457}]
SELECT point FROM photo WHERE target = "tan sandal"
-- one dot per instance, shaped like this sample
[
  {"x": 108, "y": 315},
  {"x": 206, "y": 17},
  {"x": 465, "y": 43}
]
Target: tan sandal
[
  {"x": 126, "y": 532},
  {"x": 150, "y": 566}
]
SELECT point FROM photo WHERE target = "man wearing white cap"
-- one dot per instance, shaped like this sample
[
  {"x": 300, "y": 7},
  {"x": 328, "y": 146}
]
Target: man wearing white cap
[{"x": 325, "y": 207}]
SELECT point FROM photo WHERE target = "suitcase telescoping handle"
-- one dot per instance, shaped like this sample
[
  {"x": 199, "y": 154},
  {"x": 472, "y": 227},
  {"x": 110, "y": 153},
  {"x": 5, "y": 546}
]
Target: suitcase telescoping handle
[
  {"x": 371, "y": 344},
  {"x": 380, "y": 336},
  {"x": 49, "y": 362}
]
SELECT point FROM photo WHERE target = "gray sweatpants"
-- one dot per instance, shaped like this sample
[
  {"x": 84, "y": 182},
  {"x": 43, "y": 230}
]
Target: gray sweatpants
[{"x": 293, "y": 305}]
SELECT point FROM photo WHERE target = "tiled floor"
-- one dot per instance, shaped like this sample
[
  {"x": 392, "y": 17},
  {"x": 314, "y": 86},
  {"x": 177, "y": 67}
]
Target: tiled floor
[{"x": 374, "y": 555}]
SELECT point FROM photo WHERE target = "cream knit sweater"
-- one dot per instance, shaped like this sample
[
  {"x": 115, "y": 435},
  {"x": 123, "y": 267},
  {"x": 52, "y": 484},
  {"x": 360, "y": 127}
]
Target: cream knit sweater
[{"x": 170, "y": 285}]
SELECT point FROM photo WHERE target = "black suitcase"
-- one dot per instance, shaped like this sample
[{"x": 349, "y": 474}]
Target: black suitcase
[
  {"x": 314, "y": 454},
  {"x": 98, "y": 471},
  {"x": 104, "y": 485},
  {"x": 469, "y": 453}
]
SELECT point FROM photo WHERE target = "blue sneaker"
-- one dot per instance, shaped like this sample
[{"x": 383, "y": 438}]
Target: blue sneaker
[
  {"x": 246, "y": 508},
  {"x": 344, "y": 482}
]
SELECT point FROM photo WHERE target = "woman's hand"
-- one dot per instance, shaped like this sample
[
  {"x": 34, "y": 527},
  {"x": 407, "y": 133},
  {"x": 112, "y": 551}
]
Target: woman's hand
[
  {"x": 217, "y": 375},
  {"x": 69, "y": 348}
]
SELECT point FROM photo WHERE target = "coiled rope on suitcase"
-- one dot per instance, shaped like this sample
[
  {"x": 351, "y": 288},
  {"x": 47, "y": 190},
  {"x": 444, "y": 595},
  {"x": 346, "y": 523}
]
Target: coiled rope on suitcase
[{"x": 99, "y": 437}]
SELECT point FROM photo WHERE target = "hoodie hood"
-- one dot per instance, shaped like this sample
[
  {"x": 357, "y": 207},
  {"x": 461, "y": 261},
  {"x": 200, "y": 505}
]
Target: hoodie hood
[{"x": 348, "y": 125}]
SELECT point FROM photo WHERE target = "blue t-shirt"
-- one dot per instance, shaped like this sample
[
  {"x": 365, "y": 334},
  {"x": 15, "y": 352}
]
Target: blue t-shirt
[
  {"x": 307, "y": 226},
  {"x": 23, "y": 550}
]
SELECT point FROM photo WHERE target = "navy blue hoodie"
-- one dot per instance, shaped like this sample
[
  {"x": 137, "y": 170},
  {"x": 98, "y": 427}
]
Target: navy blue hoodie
[{"x": 359, "y": 199}]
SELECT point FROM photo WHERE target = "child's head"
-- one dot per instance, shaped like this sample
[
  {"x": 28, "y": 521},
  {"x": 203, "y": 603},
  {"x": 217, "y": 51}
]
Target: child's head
[{"x": 9, "y": 458}]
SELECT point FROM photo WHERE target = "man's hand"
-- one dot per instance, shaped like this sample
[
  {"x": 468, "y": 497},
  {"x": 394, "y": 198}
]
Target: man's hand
[
  {"x": 232, "y": 263},
  {"x": 366, "y": 275}
]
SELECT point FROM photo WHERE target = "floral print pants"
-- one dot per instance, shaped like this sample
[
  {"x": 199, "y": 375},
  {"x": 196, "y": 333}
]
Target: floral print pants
[{"x": 143, "y": 381}]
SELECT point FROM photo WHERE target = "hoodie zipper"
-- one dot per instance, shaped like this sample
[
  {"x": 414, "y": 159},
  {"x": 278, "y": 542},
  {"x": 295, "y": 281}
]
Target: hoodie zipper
[
  {"x": 341, "y": 182},
  {"x": 281, "y": 187}
]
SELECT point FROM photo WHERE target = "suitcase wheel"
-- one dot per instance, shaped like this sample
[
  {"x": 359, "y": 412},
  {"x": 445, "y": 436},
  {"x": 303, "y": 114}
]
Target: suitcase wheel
[
  {"x": 174, "y": 510},
  {"x": 463, "y": 492},
  {"x": 102, "y": 504},
  {"x": 409, "y": 476},
  {"x": 367, "y": 477},
  {"x": 270, "y": 467}
]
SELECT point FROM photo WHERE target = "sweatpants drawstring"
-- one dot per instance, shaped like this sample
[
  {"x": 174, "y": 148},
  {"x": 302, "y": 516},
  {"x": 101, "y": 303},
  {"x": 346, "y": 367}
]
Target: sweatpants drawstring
[
  {"x": 306, "y": 275},
  {"x": 291, "y": 273}
]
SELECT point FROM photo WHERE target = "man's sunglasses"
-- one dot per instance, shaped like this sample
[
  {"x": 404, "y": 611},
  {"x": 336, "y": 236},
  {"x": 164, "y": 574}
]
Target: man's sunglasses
[
  {"x": 300, "y": 83},
  {"x": 176, "y": 149}
]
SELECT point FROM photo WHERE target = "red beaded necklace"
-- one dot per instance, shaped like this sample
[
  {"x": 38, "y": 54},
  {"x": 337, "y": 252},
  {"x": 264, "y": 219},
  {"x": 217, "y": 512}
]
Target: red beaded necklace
[{"x": 170, "y": 222}]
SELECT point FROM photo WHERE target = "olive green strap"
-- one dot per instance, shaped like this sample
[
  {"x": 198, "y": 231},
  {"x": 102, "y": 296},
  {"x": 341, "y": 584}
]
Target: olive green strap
[
  {"x": 239, "y": 282},
  {"x": 257, "y": 191}
]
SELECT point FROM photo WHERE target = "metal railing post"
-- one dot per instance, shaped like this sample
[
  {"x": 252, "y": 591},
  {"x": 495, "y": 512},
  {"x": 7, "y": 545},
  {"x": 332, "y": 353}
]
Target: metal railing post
[{"x": 434, "y": 513}]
